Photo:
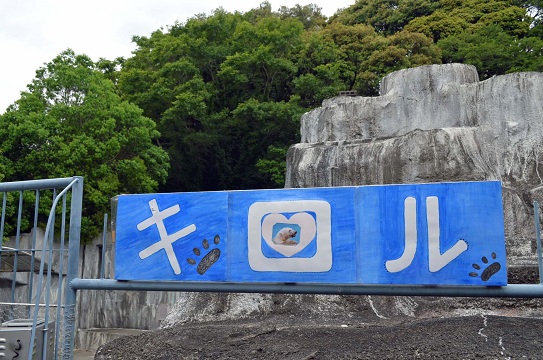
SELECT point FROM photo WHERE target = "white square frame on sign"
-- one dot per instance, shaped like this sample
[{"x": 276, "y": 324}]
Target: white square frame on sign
[{"x": 260, "y": 229}]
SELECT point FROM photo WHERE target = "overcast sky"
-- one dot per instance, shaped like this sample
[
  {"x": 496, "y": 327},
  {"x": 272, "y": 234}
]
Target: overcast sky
[{"x": 33, "y": 32}]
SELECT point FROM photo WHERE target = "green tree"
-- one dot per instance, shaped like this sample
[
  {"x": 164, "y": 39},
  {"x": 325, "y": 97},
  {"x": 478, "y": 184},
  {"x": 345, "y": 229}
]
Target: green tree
[
  {"x": 251, "y": 134},
  {"x": 173, "y": 76},
  {"x": 275, "y": 164},
  {"x": 4, "y": 167},
  {"x": 441, "y": 18},
  {"x": 192, "y": 80},
  {"x": 452, "y": 17},
  {"x": 355, "y": 45},
  {"x": 192, "y": 139},
  {"x": 493, "y": 51},
  {"x": 310, "y": 15},
  {"x": 386, "y": 16},
  {"x": 364, "y": 56},
  {"x": 262, "y": 66},
  {"x": 152, "y": 77},
  {"x": 497, "y": 36},
  {"x": 72, "y": 122}
]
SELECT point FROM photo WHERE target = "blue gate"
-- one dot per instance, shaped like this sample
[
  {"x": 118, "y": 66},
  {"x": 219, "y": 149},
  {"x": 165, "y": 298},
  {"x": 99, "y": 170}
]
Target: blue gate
[{"x": 37, "y": 305}]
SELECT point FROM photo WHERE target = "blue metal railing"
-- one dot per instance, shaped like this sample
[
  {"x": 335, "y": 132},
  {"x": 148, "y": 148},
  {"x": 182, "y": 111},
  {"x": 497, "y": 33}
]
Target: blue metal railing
[
  {"x": 42, "y": 291},
  {"x": 511, "y": 290}
]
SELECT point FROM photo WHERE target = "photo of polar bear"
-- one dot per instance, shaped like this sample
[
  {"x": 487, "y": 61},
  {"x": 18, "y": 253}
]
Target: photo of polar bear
[{"x": 285, "y": 237}]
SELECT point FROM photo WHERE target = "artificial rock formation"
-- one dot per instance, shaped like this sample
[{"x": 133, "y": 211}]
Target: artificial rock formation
[{"x": 435, "y": 123}]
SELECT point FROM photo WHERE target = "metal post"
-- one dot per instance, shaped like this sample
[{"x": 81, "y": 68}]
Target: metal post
[
  {"x": 538, "y": 241},
  {"x": 60, "y": 274},
  {"x": 51, "y": 244},
  {"x": 512, "y": 290},
  {"x": 73, "y": 267},
  {"x": 16, "y": 253},
  {"x": 104, "y": 236},
  {"x": 33, "y": 248}
]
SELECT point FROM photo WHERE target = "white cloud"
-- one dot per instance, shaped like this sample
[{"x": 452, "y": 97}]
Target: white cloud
[{"x": 33, "y": 32}]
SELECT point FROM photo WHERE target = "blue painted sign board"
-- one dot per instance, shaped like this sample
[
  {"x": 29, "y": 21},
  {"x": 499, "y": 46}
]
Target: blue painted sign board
[{"x": 435, "y": 234}]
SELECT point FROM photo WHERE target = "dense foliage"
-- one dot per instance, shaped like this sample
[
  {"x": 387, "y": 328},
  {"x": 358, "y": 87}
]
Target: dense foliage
[
  {"x": 72, "y": 122},
  {"x": 497, "y": 36},
  {"x": 227, "y": 90},
  {"x": 221, "y": 95}
]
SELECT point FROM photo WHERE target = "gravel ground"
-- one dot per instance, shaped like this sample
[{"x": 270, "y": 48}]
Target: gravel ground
[
  {"x": 433, "y": 334},
  {"x": 470, "y": 337}
]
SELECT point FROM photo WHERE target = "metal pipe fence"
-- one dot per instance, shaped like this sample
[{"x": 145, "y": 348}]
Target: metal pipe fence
[
  {"x": 34, "y": 298},
  {"x": 512, "y": 290}
]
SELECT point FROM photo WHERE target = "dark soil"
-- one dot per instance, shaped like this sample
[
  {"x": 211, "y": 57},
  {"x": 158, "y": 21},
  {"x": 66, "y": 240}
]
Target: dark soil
[
  {"x": 473, "y": 337},
  {"x": 284, "y": 336}
]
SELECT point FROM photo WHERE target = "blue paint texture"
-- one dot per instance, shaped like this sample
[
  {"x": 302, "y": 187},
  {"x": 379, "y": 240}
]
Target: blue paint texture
[
  {"x": 470, "y": 211},
  {"x": 319, "y": 235},
  {"x": 310, "y": 264},
  {"x": 206, "y": 210}
]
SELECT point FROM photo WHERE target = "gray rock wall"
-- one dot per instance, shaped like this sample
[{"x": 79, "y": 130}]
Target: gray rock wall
[
  {"x": 432, "y": 124},
  {"x": 433, "y": 97}
]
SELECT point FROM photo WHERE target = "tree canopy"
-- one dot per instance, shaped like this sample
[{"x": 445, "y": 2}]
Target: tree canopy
[
  {"x": 497, "y": 36},
  {"x": 72, "y": 122}
]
